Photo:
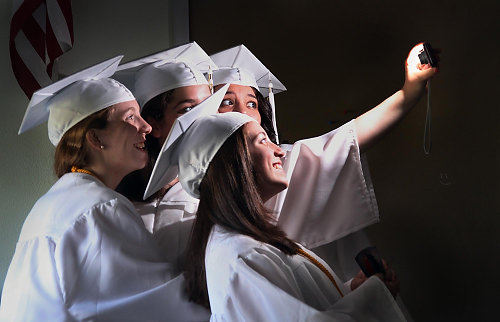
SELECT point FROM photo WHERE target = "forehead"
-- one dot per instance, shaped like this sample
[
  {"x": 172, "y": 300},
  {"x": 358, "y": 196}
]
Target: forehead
[
  {"x": 123, "y": 107},
  {"x": 193, "y": 92},
  {"x": 251, "y": 129},
  {"x": 241, "y": 90}
]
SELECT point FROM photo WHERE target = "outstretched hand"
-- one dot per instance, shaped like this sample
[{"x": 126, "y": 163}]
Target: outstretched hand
[{"x": 416, "y": 73}]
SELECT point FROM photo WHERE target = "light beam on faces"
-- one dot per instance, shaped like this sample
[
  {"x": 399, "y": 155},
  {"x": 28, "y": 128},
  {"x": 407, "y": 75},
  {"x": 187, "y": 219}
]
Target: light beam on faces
[
  {"x": 182, "y": 101},
  {"x": 123, "y": 139},
  {"x": 240, "y": 99},
  {"x": 266, "y": 158}
]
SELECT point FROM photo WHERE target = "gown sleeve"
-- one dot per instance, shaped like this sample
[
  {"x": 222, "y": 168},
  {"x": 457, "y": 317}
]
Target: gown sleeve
[
  {"x": 263, "y": 288},
  {"x": 330, "y": 194},
  {"x": 105, "y": 266},
  {"x": 32, "y": 289}
]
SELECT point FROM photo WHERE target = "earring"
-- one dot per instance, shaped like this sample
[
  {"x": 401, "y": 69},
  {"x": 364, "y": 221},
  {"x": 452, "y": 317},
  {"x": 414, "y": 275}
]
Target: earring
[{"x": 102, "y": 147}]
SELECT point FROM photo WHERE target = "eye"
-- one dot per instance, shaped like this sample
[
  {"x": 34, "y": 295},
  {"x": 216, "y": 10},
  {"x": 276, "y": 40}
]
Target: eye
[
  {"x": 263, "y": 141},
  {"x": 226, "y": 102},
  {"x": 185, "y": 110},
  {"x": 252, "y": 105},
  {"x": 130, "y": 117}
]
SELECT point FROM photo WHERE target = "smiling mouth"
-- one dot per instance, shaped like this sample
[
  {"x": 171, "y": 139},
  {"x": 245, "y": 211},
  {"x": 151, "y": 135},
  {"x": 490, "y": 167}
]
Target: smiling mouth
[
  {"x": 140, "y": 146},
  {"x": 277, "y": 166}
]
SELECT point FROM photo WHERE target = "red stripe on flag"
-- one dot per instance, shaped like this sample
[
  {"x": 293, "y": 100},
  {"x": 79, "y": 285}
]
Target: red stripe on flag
[
  {"x": 23, "y": 75},
  {"x": 65, "y": 6},
  {"x": 44, "y": 43},
  {"x": 24, "y": 12},
  {"x": 35, "y": 35}
]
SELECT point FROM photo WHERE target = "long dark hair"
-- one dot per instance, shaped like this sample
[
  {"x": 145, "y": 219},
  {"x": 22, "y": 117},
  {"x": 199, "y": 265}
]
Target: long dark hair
[
  {"x": 134, "y": 184},
  {"x": 229, "y": 197},
  {"x": 266, "y": 115}
]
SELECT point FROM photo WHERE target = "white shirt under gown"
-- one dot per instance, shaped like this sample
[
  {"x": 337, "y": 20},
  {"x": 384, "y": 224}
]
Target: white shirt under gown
[
  {"x": 249, "y": 280},
  {"x": 329, "y": 200},
  {"x": 84, "y": 254}
]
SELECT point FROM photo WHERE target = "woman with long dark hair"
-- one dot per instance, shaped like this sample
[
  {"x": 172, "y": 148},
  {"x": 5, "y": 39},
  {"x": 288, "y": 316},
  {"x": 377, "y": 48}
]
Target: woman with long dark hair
[
  {"x": 239, "y": 263},
  {"x": 330, "y": 198}
]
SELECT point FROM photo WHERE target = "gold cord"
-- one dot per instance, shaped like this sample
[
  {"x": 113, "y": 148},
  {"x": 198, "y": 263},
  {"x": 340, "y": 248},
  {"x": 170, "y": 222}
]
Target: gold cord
[
  {"x": 313, "y": 260},
  {"x": 75, "y": 169}
]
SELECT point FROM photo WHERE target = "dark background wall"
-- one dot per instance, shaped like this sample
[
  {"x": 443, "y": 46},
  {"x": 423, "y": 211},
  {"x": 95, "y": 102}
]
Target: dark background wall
[{"x": 439, "y": 213}]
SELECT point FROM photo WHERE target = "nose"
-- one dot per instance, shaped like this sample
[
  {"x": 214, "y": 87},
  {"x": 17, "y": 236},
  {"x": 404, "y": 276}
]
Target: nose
[
  {"x": 278, "y": 151},
  {"x": 144, "y": 126},
  {"x": 239, "y": 107}
]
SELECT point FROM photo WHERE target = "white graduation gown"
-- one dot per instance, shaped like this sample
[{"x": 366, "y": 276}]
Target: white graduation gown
[
  {"x": 84, "y": 254},
  {"x": 330, "y": 196},
  {"x": 252, "y": 281},
  {"x": 170, "y": 220}
]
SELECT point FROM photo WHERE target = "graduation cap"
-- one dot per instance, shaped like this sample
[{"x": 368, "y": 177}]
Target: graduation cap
[
  {"x": 168, "y": 164},
  {"x": 152, "y": 75},
  {"x": 239, "y": 66},
  {"x": 73, "y": 98}
]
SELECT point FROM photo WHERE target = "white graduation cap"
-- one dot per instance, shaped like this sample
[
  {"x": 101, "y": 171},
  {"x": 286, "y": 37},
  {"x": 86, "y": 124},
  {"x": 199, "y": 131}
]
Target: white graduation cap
[
  {"x": 70, "y": 100},
  {"x": 152, "y": 75},
  {"x": 166, "y": 167},
  {"x": 239, "y": 66}
]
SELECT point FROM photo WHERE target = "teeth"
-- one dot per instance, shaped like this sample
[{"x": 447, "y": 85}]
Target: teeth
[
  {"x": 140, "y": 145},
  {"x": 277, "y": 166}
]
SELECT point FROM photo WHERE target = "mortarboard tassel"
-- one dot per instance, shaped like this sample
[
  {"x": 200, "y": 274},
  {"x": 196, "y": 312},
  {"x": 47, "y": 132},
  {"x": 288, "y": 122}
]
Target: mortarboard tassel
[
  {"x": 273, "y": 109},
  {"x": 210, "y": 79}
]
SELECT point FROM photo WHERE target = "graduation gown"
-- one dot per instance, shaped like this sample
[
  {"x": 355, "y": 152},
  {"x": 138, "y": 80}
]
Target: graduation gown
[
  {"x": 330, "y": 196},
  {"x": 330, "y": 193},
  {"x": 249, "y": 280},
  {"x": 84, "y": 254},
  {"x": 170, "y": 220}
]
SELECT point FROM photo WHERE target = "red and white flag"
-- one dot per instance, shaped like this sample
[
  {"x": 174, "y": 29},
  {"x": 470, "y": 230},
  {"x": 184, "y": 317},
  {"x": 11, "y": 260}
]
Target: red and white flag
[{"x": 40, "y": 32}]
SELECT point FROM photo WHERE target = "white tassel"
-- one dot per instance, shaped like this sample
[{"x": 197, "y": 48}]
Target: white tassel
[
  {"x": 273, "y": 109},
  {"x": 210, "y": 79}
]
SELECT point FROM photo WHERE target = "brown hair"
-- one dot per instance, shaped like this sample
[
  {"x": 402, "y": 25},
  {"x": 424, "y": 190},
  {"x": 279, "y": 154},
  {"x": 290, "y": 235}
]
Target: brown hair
[
  {"x": 72, "y": 149},
  {"x": 134, "y": 184},
  {"x": 266, "y": 115},
  {"x": 229, "y": 197}
]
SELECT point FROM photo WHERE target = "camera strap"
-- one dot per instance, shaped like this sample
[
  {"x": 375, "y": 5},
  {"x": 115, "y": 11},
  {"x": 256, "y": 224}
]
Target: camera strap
[{"x": 427, "y": 127}]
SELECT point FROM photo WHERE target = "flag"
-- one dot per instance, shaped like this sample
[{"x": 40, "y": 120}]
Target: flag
[{"x": 40, "y": 32}]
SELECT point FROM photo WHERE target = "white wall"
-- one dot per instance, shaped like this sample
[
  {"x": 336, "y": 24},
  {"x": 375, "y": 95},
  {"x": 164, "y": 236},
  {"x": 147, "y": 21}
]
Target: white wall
[{"x": 103, "y": 29}]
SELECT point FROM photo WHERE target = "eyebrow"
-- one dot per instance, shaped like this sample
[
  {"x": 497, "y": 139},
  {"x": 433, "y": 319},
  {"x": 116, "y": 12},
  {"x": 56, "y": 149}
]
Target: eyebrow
[
  {"x": 251, "y": 95},
  {"x": 257, "y": 135},
  {"x": 127, "y": 110},
  {"x": 189, "y": 100}
]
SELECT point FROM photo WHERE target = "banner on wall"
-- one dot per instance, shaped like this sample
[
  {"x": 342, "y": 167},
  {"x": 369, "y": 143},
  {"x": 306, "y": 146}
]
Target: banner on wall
[{"x": 40, "y": 32}]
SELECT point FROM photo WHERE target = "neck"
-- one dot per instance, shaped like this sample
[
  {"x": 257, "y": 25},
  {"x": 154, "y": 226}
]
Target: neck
[
  {"x": 110, "y": 177},
  {"x": 265, "y": 197}
]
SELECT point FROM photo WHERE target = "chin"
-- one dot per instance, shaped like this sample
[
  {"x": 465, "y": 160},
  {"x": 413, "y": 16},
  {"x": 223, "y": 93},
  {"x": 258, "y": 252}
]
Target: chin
[{"x": 278, "y": 186}]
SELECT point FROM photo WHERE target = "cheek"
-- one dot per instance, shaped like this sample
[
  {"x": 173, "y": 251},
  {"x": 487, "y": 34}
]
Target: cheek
[
  {"x": 226, "y": 108},
  {"x": 165, "y": 125},
  {"x": 261, "y": 163},
  {"x": 254, "y": 113}
]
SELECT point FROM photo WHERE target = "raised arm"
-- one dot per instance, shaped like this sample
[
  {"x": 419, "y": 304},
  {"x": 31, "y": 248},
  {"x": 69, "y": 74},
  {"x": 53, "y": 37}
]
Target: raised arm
[{"x": 372, "y": 125}]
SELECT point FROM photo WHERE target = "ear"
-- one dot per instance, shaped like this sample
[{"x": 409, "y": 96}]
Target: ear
[
  {"x": 93, "y": 139},
  {"x": 156, "y": 126}
]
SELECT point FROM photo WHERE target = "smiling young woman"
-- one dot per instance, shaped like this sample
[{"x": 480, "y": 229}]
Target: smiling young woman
[
  {"x": 239, "y": 263},
  {"x": 82, "y": 244}
]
